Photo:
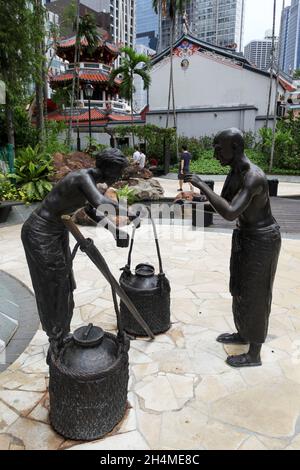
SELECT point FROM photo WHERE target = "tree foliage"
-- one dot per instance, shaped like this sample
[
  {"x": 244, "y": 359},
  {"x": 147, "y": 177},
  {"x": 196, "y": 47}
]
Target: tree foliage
[
  {"x": 296, "y": 75},
  {"x": 287, "y": 143},
  {"x": 16, "y": 52}
]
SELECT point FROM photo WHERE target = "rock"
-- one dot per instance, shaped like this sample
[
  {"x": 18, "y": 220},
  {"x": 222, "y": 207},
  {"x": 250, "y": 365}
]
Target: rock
[
  {"x": 81, "y": 218},
  {"x": 134, "y": 171},
  {"x": 111, "y": 193},
  {"x": 64, "y": 164},
  {"x": 147, "y": 189}
]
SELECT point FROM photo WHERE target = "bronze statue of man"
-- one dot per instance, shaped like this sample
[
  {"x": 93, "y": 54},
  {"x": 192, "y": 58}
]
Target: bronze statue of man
[
  {"x": 46, "y": 239},
  {"x": 256, "y": 244}
]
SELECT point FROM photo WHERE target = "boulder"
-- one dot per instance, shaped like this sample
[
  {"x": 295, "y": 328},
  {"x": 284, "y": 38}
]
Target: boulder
[
  {"x": 134, "y": 171},
  {"x": 147, "y": 189}
]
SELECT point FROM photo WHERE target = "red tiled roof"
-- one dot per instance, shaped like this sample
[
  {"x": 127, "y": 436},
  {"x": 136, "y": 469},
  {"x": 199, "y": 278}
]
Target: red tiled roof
[
  {"x": 89, "y": 76},
  {"x": 70, "y": 42},
  {"x": 286, "y": 85},
  {"x": 119, "y": 117},
  {"x": 97, "y": 116}
]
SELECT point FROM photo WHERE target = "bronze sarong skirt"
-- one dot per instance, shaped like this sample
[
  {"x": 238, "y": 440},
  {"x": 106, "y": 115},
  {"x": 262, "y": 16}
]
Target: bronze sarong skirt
[
  {"x": 253, "y": 265},
  {"x": 48, "y": 256}
]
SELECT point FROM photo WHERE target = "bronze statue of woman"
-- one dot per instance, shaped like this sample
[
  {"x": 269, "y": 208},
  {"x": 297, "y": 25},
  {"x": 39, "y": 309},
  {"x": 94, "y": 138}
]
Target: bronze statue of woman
[
  {"x": 46, "y": 239},
  {"x": 256, "y": 244}
]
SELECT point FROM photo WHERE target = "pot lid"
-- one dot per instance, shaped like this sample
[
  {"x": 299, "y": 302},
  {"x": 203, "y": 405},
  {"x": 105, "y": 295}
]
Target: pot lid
[{"x": 88, "y": 336}]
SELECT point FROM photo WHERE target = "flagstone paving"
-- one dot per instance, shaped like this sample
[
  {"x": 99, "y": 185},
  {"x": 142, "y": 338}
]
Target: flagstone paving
[{"x": 182, "y": 395}]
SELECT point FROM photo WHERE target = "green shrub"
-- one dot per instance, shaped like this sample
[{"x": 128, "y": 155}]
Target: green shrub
[
  {"x": 8, "y": 191},
  {"x": 127, "y": 193},
  {"x": 287, "y": 144},
  {"x": 208, "y": 165},
  {"x": 32, "y": 169}
]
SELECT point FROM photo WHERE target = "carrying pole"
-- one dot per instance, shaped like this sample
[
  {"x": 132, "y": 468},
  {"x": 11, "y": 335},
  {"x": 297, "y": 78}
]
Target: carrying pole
[{"x": 87, "y": 246}]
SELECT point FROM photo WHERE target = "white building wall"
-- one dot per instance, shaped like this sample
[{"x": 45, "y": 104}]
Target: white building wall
[
  {"x": 208, "y": 83},
  {"x": 212, "y": 94}
]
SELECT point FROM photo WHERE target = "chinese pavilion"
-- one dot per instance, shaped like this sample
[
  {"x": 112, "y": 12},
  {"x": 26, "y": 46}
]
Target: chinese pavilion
[{"x": 95, "y": 69}]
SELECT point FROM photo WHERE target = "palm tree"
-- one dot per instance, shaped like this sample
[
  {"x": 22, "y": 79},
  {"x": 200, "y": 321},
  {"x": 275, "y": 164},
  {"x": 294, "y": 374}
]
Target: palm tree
[
  {"x": 132, "y": 64},
  {"x": 271, "y": 65},
  {"x": 171, "y": 9},
  {"x": 84, "y": 27}
]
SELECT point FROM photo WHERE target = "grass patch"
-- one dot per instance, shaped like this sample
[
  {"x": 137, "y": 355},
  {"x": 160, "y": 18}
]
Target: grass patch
[{"x": 207, "y": 165}]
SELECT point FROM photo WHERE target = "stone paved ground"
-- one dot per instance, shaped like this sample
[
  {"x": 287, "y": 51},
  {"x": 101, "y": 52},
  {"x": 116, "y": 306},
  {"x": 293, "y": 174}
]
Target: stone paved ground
[{"x": 182, "y": 395}]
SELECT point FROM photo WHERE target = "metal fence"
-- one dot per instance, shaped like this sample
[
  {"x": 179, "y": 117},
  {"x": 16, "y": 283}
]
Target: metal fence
[{"x": 7, "y": 159}]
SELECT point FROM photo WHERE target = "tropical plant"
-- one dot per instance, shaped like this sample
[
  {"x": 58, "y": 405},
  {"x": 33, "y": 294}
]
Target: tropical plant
[
  {"x": 132, "y": 64},
  {"x": 286, "y": 144},
  {"x": 127, "y": 193},
  {"x": 32, "y": 170}
]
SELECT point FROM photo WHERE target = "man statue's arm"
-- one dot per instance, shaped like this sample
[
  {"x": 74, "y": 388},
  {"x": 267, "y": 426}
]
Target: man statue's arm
[{"x": 230, "y": 211}]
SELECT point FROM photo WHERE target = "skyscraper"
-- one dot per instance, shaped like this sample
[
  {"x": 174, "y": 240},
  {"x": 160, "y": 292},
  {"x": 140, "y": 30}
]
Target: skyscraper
[
  {"x": 220, "y": 22},
  {"x": 122, "y": 15},
  {"x": 290, "y": 38},
  {"x": 146, "y": 24},
  {"x": 259, "y": 52},
  {"x": 283, "y": 37}
]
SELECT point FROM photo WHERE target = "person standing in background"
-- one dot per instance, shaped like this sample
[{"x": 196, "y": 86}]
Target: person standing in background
[{"x": 184, "y": 167}]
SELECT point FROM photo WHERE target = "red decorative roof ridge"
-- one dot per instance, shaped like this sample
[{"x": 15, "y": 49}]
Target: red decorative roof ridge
[
  {"x": 286, "y": 85},
  {"x": 70, "y": 42}
]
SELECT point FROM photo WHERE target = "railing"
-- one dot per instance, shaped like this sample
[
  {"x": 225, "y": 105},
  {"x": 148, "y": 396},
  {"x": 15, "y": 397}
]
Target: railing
[
  {"x": 90, "y": 66},
  {"x": 7, "y": 159},
  {"x": 104, "y": 104}
]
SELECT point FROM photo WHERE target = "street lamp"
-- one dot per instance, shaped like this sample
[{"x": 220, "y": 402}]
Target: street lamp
[{"x": 89, "y": 91}]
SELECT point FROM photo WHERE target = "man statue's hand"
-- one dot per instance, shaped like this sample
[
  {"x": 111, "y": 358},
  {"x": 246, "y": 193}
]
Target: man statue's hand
[
  {"x": 134, "y": 217},
  {"x": 195, "y": 180}
]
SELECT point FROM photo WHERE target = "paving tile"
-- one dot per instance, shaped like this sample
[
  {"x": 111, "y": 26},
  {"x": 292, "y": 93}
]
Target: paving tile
[{"x": 182, "y": 393}]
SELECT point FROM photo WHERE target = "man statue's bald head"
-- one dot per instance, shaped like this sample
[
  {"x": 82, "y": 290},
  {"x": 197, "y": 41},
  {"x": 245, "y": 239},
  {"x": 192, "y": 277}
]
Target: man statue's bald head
[
  {"x": 229, "y": 145},
  {"x": 234, "y": 135}
]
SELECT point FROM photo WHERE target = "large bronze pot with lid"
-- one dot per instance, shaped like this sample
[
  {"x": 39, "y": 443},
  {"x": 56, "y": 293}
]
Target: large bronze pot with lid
[
  {"x": 149, "y": 292},
  {"x": 88, "y": 384},
  {"x": 89, "y": 371}
]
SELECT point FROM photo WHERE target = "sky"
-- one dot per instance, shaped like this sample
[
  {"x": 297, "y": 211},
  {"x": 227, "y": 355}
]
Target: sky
[{"x": 259, "y": 18}]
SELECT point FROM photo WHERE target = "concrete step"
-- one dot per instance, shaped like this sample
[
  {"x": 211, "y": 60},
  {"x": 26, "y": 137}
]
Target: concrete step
[{"x": 8, "y": 327}]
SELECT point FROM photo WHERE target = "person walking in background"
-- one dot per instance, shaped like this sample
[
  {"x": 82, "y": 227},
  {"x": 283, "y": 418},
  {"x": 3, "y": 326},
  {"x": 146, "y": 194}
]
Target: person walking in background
[
  {"x": 184, "y": 167},
  {"x": 142, "y": 160}
]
